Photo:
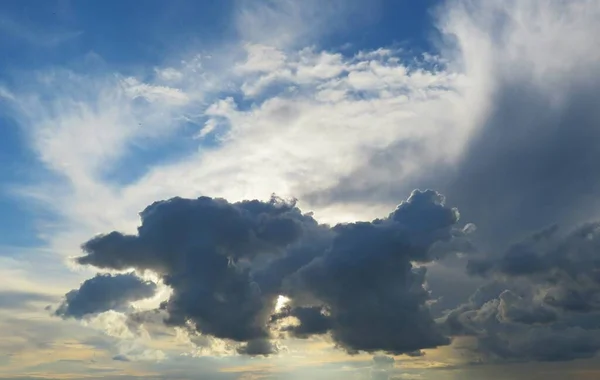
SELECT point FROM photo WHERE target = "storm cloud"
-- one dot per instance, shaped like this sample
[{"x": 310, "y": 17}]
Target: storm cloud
[
  {"x": 545, "y": 302},
  {"x": 105, "y": 292},
  {"x": 368, "y": 285},
  {"x": 203, "y": 249},
  {"x": 227, "y": 263},
  {"x": 531, "y": 160}
]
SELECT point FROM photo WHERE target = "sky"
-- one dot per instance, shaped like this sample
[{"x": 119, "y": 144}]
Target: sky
[{"x": 348, "y": 189}]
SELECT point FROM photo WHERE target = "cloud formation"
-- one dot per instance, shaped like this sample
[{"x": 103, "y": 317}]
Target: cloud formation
[
  {"x": 105, "y": 292},
  {"x": 531, "y": 161},
  {"x": 545, "y": 303},
  {"x": 228, "y": 262},
  {"x": 372, "y": 293},
  {"x": 202, "y": 248}
]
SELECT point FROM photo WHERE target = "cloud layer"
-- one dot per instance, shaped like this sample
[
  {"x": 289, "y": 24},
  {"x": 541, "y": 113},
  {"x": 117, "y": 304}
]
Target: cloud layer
[{"x": 545, "y": 302}]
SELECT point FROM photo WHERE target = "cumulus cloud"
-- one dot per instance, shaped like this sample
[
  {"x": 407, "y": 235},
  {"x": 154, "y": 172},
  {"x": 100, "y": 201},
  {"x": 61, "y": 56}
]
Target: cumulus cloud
[
  {"x": 121, "y": 358},
  {"x": 545, "y": 303},
  {"x": 529, "y": 161},
  {"x": 202, "y": 249},
  {"x": 228, "y": 262},
  {"x": 371, "y": 292},
  {"x": 258, "y": 347},
  {"x": 105, "y": 292}
]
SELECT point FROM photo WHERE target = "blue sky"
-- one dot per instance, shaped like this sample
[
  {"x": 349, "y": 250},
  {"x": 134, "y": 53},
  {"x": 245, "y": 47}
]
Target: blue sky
[{"x": 346, "y": 106}]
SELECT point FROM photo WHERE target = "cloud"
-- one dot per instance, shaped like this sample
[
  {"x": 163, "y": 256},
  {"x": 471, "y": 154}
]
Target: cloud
[
  {"x": 121, "y": 358},
  {"x": 380, "y": 103},
  {"x": 223, "y": 262},
  {"x": 18, "y": 299},
  {"x": 530, "y": 74},
  {"x": 202, "y": 249},
  {"x": 290, "y": 136},
  {"x": 531, "y": 161},
  {"x": 529, "y": 165},
  {"x": 545, "y": 302},
  {"x": 105, "y": 292},
  {"x": 79, "y": 127},
  {"x": 87, "y": 129},
  {"x": 314, "y": 320},
  {"x": 258, "y": 347},
  {"x": 285, "y": 24},
  {"x": 371, "y": 292}
]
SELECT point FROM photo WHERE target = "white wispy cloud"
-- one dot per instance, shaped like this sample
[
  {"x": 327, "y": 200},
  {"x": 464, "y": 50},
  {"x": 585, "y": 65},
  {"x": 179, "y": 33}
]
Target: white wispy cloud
[{"x": 294, "y": 24}]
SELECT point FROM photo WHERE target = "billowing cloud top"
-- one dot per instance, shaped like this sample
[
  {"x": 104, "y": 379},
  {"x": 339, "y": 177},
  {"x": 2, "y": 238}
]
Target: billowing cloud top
[{"x": 545, "y": 301}]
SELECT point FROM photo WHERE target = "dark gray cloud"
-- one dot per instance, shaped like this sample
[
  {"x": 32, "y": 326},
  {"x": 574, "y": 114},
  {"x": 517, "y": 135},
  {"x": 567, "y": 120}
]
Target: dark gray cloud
[
  {"x": 365, "y": 288},
  {"x": 545, "y": 303},
  {"x": 105, "y": 292},
  {"x": 313, "y": 320},
  {"x": 228, "y": 262},
  {"x": 567, "y": 266},
  {"x": 239, "y": 231},
  {"x": 204, "y": 249},
  {"x": 533, "y": 163},
  {"x": 257, "y": 347},
  {"x": 121, "y": 358},
  {"x": 515, "y": 328},
  {"x": 532, "y": 160}
]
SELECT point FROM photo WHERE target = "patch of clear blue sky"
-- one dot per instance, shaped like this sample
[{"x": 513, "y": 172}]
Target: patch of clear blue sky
[
  {"x": 123, "y": 32},
  {"x": 391, "y": 23},
  {"x": 134, "y": 35}
]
